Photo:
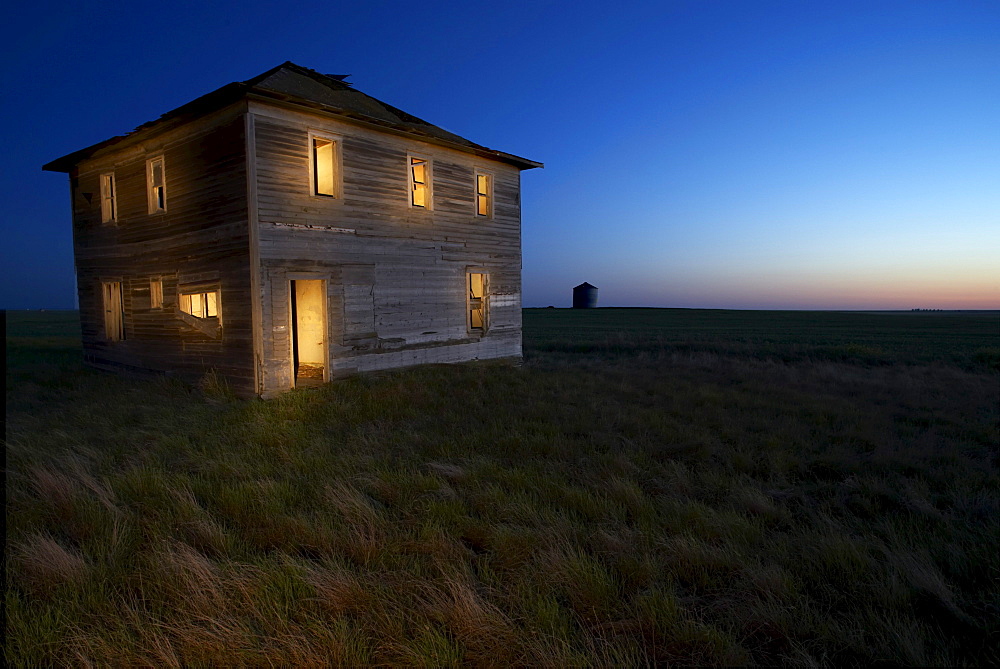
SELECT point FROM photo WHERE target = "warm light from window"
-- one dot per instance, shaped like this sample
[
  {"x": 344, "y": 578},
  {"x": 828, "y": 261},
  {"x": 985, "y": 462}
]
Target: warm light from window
[
  {"x": 483, "y": 194},
  {"x": 418, "y": 171},
  {"x": 476, "y": 282},
  {"x": 477, "y": 301},
  {"x": 200, "y": 305},
  {"x": 211, "y": 304},
  {"x": 323, "y": 166}
]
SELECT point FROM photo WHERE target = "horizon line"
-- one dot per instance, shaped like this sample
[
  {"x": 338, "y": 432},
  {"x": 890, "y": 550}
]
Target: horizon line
[{"x": 904, "y": 311}]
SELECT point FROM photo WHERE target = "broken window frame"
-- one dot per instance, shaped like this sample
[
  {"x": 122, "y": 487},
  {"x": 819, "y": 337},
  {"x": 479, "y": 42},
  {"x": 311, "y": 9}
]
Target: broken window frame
[
  {"x": 156, "y": 190},
  {"x": 425, "y": 187},
  {"x": 477, "y": 304},
  {"x": 316, "y": 188},
  {"x": 109, "y": 201},
  {"x": 202, "y": 304},
  {"x": 205, "y": 314}
]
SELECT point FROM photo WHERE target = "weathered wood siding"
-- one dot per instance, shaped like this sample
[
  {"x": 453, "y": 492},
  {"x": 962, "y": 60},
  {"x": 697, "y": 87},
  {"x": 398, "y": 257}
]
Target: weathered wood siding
[
  {"x": 200, "y": 241},
  {"x": 396, "y": 275}
]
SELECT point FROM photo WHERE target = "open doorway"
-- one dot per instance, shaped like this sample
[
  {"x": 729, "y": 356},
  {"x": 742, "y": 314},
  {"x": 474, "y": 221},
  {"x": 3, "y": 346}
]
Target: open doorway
[{"x": 309, "y": 362}]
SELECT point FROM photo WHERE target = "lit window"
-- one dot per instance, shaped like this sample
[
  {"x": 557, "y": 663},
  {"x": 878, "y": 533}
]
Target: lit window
[
  {"x": 155, "y": 293},
  {"x": 157, "y": 191},
  {"x": 484, "y": 194},
  {"x": 109, "y": 207},
  {"x": 325, "y": 172},
  {"x": 478, "y": 284},
  {"x": 420, "y": 182},
  {"x": 200, "y": 305},
  {"x": 114, "y": 316}
]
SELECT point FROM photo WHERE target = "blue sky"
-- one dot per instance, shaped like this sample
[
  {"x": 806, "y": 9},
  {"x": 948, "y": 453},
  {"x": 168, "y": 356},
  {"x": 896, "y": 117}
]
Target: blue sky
[{"x": 749, "y": 154}]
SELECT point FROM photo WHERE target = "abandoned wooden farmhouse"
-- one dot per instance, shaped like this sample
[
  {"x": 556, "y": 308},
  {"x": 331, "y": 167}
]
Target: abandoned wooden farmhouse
[{"x": 289, "y": 229}]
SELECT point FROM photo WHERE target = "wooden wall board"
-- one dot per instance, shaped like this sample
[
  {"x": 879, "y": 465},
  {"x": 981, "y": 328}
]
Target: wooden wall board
[
  {"x": 401, "y": 285},
  {"x": 201, "y": 239}
]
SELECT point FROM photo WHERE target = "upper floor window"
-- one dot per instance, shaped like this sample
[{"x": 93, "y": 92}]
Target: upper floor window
[
  {"x": 157, "y": 185},
  {"x": 421, "y": 190},
  {"x": 109, "y": 204},
  {"x": 484, "y": 194},
  {"x": 324, "y": 167}
]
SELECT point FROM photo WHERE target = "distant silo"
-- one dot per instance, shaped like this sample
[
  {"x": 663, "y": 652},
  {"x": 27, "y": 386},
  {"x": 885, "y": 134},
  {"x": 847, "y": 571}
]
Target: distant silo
[{"x": 585, "y": 296}]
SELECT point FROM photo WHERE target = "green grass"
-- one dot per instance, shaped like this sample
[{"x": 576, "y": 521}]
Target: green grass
[
  {"x": 968, "y": 339},
  {"x": 651, "y": 487}
]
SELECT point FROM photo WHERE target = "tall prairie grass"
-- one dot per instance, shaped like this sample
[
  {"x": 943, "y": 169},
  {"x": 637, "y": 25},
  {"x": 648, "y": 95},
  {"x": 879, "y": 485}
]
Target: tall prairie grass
[{"x": 650, "y": 487}]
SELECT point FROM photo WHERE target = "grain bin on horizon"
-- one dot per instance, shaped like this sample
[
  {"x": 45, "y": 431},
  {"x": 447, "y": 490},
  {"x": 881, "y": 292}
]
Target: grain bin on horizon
[{"x": 585, "y": 296}]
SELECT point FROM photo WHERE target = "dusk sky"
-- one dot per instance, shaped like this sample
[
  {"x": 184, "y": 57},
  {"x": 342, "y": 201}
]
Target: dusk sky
[{"x": 744, "y": 154}]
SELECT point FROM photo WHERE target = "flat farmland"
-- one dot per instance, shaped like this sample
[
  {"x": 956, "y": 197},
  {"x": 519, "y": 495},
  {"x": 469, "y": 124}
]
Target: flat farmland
[
  {"x": 651, "y": 486},
  {"x": 964, "y": 338}
]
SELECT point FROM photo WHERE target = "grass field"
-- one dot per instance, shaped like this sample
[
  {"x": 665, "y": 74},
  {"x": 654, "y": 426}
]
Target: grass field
[{"x": 651, "y": 487}]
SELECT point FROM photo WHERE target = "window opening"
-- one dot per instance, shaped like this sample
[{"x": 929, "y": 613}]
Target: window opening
[
  {"x": 155, "y": 293},
  {"x": 157, "y": 185},
  {"x": 478, "y": 287},
  {"x": 324, "y": 158},
  {"x": 200, "y": 305},
  {"x": 420, "y": 182},
  {"x": 109, "y": 209},
  {"x": 114, "y": 316},
  {"x": 484, "y": 195}
]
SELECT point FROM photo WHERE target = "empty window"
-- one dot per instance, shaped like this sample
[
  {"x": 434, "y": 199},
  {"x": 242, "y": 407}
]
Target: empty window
[
  {"x": 420, "y": 182},
  {"x": 109, "y": 207},
  {"x": 157, "y": 191},
  {"x": 114, "y": 316},
  {"x": 156, "y": 293},
  {"x": 200, "y": 305},
  {"x": 325, "y": 172},
  {"x": 478, "y": 286}
]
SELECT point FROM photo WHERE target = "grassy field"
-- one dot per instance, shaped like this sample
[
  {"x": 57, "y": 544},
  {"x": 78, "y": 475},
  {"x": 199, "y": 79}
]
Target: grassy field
[{"x": 651, "y": 487}]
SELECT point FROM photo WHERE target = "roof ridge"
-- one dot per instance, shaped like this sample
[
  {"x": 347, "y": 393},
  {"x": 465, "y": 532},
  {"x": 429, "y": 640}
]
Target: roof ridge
[
  {"x": 339, "y": 85},
  {"x": 309, "y": 72},
  {"x": 357, "y": 105}
]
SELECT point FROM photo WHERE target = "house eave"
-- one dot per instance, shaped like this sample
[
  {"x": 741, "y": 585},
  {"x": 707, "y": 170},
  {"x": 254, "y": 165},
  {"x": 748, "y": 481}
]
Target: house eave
[
  {"x": 290, "y": 102},
  {"x": 197, "y": 108}
]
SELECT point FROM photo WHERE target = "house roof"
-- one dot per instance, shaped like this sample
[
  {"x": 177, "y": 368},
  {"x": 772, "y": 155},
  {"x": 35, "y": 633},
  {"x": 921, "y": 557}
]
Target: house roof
[{"x": 299, "y": 86}]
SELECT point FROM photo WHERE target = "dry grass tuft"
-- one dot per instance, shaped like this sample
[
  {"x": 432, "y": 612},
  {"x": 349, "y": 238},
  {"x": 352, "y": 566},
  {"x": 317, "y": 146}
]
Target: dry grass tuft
[
  {"x": 921, "y": 573},
  {"x": 340, "y": 591},
  {"x": 205, "y": 535},
  {"x": 366, "y": 529},
  {"x": 189, "y": 579},
  {"x": 449, "y": 471},
  {"x": 485, "y": 633},
  {"x": 216, "y": 388},
  {"x": 56, "y": 490},
  {"x": 42, "y": 565},
  {"x": 755, "y": 502}
]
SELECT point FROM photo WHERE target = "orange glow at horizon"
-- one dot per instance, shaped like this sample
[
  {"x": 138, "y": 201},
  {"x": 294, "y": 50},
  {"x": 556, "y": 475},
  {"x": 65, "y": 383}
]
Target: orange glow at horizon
[{"x": 862, "y": 289}]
